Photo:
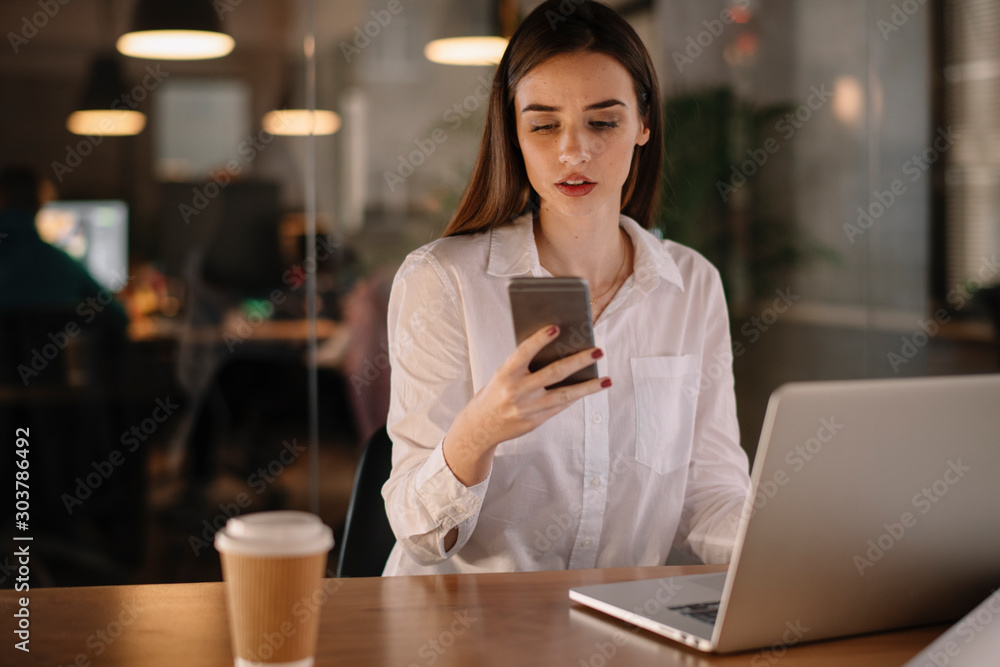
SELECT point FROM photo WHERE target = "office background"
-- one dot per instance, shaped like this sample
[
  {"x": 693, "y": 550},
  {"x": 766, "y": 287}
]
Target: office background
[{"x": 837, "y": 161}]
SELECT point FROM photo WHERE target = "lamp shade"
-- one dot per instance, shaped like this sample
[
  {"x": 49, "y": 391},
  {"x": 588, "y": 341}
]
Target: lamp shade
[
  {"x": 101, "y": 111},
  {"x": 290, "y": 119},
  {"x": 483, "y": 30},
  {"x": 481, "y": 50},
  {"x": 301, "y": 122},
  {"x": 175, "y": 30}
]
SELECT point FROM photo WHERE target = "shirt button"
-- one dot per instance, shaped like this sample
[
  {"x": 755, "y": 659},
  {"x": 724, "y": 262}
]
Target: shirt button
[
  {"x": 597, "y": 418},
  {"x": 596, "y": 481},
  {"x": 460, "y": 508},
  {"x": 585, "y": 542}
]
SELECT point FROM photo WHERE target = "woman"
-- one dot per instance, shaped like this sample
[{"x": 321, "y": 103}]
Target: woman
[{"x": 492, "y": 472}]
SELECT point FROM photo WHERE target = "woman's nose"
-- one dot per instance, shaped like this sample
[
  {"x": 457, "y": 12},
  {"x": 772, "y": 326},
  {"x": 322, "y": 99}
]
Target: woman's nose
[{"x": 573, "y": 148}]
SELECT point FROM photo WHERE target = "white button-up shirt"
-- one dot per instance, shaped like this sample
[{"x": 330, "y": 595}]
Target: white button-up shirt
[{"x": 618, "y": 477}]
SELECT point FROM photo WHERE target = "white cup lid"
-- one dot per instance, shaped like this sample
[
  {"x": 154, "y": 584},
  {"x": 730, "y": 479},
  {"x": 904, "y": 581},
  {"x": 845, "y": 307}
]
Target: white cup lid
[{"x": 285, "y": 533}]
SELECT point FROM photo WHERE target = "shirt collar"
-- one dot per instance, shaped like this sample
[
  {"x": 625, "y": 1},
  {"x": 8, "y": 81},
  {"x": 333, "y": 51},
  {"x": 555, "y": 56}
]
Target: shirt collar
[{"x": 513, "y": 253}]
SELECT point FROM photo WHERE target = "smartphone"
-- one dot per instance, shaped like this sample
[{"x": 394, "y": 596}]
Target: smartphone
[{"x": 538, "y": 302}]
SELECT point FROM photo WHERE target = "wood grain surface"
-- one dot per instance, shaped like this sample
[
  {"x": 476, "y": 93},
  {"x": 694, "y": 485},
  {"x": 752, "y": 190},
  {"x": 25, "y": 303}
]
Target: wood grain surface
[{"x": 465, "y": 620}]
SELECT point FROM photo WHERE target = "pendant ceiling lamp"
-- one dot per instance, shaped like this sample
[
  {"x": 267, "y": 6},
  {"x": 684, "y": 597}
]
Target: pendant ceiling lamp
[
  {"x": 480, "y": 50},
  {"x": 292, "y": 120},
  {"x": 301, "y": 122},
  {"x": 176, "y": 30},
  {"x": 477, "y": 49},
  {"x": 101, "y": 111}
]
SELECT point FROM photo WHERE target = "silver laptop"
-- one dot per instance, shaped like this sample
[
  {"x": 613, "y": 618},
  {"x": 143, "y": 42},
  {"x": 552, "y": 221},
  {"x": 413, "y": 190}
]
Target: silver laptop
[
  {"x": 874, "y": 504},
  {"x": 972, "y": 642}
]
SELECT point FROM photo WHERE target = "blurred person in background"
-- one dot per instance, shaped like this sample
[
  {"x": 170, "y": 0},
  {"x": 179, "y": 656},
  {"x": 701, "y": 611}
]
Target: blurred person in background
[{"x": 33, "y": 273}]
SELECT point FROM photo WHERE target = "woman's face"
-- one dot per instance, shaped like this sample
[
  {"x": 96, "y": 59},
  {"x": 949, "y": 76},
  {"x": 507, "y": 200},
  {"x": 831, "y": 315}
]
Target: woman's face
[{"x": 578, "y": 124}]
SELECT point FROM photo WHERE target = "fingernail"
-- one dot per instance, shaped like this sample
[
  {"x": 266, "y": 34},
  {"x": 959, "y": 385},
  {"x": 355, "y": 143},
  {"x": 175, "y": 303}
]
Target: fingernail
[
  {"x": 605, "y": 383},
  {"x": 552, "y": 331},
  {"x": 597, "y": 354}
]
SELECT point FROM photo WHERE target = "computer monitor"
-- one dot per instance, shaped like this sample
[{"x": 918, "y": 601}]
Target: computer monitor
[{"x": 95, "y": 233}]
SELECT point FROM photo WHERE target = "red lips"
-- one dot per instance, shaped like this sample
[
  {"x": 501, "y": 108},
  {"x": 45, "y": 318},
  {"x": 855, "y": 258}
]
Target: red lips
[{"x": 575, "y": 185}]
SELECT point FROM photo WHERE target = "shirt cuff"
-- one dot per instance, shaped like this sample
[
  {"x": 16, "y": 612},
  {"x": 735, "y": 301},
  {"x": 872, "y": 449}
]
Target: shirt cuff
[{"x": 449, "y": 502}]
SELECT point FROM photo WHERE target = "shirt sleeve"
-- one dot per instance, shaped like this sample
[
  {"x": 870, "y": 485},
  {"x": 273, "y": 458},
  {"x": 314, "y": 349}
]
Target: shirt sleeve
[
  {"x": 717, "y": 480},
  {"x": 430, "y": 383}
]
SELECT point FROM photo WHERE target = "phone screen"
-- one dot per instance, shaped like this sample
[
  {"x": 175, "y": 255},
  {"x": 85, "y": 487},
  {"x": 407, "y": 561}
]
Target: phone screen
[{"x": 538, "y": 302}]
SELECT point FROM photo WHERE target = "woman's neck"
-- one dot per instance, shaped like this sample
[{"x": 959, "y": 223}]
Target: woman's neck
[
  {"x": 588, "y": 247},
  {"x": 595, "y": 249}
]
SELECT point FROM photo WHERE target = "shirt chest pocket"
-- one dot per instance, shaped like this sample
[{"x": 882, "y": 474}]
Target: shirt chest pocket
[{"x": 666, "y": 392}]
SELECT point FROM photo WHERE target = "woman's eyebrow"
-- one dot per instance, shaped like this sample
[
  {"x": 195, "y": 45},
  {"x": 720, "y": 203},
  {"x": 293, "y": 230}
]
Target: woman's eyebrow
[
  {"x": 605, "y": 104},
  {"x": 539, "y": 107},
  {"x": 590, "y": 107}
]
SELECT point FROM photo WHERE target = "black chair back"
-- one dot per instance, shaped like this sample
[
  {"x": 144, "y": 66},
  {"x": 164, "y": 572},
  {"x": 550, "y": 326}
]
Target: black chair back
[{"x": 368, "y": 538}]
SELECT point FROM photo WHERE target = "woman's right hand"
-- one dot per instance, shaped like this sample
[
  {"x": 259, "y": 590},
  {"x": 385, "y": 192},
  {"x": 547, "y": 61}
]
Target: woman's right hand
[{"x": 514, "y": 402}]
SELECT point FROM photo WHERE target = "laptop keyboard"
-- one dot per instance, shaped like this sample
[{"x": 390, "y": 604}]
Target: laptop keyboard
[{"x": 703, "y": 611}]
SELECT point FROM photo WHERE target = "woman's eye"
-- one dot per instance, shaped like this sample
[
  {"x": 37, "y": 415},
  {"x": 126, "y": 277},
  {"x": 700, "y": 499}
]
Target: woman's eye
[
  {"x": 604, "y": 124},
  {"x": 541, "y": 128}
]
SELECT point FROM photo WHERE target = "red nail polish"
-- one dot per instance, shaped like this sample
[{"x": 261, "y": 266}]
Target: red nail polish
[
  {"x": 552, "y": 331},
  {"x": 605, "y": 383},
  {"x": 597, "y": 354}
]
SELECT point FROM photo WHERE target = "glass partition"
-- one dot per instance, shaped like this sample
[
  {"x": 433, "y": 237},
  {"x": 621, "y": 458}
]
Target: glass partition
[{"x": 831, "y": 159}]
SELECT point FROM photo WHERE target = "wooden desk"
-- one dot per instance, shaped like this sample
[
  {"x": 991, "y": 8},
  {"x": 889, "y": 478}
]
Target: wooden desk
[
  {"x": 513, "y": 620},
  {"x": 236, "y": 326}
]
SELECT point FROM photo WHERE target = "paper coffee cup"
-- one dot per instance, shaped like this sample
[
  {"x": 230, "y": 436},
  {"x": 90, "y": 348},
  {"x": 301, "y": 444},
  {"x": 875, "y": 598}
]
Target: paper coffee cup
[{"x": 272, "y": 566}]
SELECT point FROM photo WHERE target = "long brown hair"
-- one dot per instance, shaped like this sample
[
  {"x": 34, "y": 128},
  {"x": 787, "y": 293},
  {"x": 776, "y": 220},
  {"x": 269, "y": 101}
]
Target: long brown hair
[{"x": 498, "y": 190}]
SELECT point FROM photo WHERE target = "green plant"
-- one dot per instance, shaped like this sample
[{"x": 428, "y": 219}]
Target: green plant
[{"x": 705, "y": 138}]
